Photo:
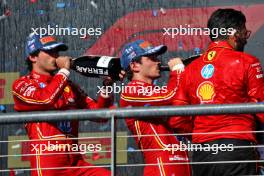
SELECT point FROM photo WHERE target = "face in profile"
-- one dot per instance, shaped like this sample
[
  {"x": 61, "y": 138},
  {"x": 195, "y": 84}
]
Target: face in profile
[
  {"x": 241, "y": 38},
  {"x": 46, "y": 60},
  {"x": 150, "y": 67}
]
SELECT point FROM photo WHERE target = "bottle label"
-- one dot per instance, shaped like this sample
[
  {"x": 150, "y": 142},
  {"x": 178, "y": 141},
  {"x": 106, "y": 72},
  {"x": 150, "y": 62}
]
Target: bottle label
[
  {"x": 104, "y": 61},
  {"x": 91, "y": 70}
]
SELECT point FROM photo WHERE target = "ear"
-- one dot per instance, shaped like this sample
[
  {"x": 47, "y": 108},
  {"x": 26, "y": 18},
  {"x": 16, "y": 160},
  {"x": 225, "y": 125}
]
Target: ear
[
  {"x": 33, "y": 59},
  {"x": 134, "y": 66}
]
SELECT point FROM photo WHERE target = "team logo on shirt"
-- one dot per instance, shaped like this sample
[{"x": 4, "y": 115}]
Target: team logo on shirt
[
  {"x": 211, "y": 55},
  {"x": 67, "y": 89},
  {"x": 71, "y": 100},
  {"x": 42, "y": 85},
  {"x": 206, "y": 91},
  {"x": 207, "y": 71},
  {"x": 64, "y": 126}
]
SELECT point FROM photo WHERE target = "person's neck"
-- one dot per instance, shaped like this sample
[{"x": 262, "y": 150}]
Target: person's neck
[
  {"x": 142, "y": 78},
  {"x": 232, "y": 43},
  {"x": 41, "y": 72}
]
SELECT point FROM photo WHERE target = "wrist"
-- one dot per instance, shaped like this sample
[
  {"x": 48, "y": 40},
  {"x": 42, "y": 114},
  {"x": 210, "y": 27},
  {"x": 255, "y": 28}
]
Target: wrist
[
  {"x": 64, "y": 72},
  {"x": 105, "y": 94},
  {"x": 179, "y": 67}
]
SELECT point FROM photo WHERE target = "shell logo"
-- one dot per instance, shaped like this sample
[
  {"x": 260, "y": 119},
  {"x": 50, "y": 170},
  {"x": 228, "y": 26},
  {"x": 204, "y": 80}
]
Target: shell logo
[
  {"x": 211, "y": 55},
  {"x": 206, "y": 91}
]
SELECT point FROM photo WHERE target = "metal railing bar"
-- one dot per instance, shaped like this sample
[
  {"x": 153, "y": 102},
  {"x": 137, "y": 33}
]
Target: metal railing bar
[{"x": 138, "y": 112}]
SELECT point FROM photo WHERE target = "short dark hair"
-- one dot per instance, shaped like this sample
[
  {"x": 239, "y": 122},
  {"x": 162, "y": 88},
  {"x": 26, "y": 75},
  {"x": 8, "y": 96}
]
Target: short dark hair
[
  {"x": 225, "y": 18},
  {"x": 28, "y": 61},
  {"x": 129, "y": 73}
]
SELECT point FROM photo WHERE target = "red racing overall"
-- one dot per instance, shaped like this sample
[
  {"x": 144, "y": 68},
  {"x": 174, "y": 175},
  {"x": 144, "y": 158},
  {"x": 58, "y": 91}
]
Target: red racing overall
[
  {"x": 156, "y": 147},
  {"x": 224, "y": 76},
  {"x": 36, "y": 92}
]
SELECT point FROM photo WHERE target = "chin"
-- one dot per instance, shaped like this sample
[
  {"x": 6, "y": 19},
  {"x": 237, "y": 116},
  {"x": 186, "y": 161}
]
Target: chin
[
  {"x": 156, "y": 77},
  {"x": 53, "y": 69}
]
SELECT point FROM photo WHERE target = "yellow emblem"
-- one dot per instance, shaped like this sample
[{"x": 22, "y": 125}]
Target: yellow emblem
[
  {"x": 206, "y": 91},
  {"x": 211, "y": 55},
  {"x": 67, "y": 89}
]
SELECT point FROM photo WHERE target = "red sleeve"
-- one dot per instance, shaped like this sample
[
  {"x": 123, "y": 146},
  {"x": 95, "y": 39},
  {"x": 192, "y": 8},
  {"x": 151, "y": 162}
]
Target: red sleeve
[
  {"x": 28, "y": 91},
  {"x": 255, "y": 83},
  {"x": 85, "y": 102},
  {"x": 100, "y": 103},
  {"x": 179, "y": 123},
  {"x": 254, "y": 80},
  {"x": 141, "y": 95}
]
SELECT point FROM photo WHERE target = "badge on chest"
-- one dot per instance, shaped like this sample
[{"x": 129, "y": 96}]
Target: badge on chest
[{"x": 64, "y": 126}]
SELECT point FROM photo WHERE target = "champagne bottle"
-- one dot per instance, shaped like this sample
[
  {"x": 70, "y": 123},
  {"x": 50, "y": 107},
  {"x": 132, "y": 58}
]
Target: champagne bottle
[
  {"x": 97, "y": 66},
  {"x": 185, "y": 62},
  {"x": 101, "y": 66}
]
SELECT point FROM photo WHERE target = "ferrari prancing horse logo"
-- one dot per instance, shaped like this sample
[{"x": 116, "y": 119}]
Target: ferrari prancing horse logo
[{"x": 211, "y": 55}]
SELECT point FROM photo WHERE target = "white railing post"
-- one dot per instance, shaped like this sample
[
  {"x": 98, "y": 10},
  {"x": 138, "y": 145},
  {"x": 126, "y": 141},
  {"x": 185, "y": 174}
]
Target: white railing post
[{"x": 113, "y": 146}]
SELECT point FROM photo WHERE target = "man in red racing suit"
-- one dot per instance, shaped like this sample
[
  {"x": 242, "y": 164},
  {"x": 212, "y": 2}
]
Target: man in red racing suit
[
  {"x": 156, "y": 146},
  {"x": 225, "y": 85},
  {"x": 223, "y": 75},
  {"x": 51, "y": 143}
]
